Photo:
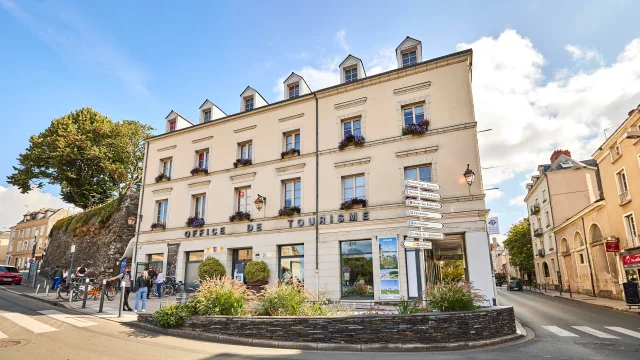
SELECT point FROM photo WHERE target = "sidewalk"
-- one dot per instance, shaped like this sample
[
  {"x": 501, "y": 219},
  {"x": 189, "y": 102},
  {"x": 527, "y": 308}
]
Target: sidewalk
[
  {"x": 110, "y": 308},
  {"x": 608, "y": 303}
]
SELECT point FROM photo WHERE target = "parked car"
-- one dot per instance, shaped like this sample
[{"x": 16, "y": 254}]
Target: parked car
[
  {"x": 514, "y": 285},
  {"x": 499, "y": 282},
  {"x": 10, "y": 275}
]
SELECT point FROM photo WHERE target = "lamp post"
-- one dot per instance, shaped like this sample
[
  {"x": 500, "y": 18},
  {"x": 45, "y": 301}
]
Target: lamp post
[
  {"x": 469, "y": 176},
  {"x": 260, "y": 202},
  {"x": 132, "y": 220}
]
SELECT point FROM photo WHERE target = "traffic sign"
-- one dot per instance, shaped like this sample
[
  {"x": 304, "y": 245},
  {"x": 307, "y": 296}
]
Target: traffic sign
[
  {"x": 417, "y": 244},
  {"x": 419, "y": 203},
  {"x": 430, "y": 225},
  {"x": 427, "y": 214},
  {"x": 73, "y": 248},
  {"x": 422, "y": 184},
  {"x": 422, "y": 194},
  {"x": 426, "y": 235}
]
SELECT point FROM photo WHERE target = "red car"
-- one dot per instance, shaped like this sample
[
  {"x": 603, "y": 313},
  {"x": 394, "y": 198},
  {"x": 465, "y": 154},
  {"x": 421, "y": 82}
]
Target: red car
[{"x": 10, "y": 275}]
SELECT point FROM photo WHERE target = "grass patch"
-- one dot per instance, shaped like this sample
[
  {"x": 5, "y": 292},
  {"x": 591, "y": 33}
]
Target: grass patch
[{"x": 99, "y": 216}]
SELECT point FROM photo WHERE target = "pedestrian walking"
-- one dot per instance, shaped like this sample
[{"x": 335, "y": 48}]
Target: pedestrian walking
[
  {"x": 65, "y": 274},
  {"x": 56, "y": 277},
  {"x": 141, "y": 290},
  {"x": 152, "y": 278},
  {"x": 159, "y": 280},
  {"x": 126, "y": 278}
]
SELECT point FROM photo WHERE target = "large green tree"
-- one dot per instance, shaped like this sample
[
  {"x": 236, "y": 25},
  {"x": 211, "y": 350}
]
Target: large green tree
[
  {"x": 90, "y": 156},
  {"x": 518, "y": 243}
]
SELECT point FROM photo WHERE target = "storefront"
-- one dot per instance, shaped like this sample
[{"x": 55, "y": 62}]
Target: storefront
[{"x": 631, "y": 264}]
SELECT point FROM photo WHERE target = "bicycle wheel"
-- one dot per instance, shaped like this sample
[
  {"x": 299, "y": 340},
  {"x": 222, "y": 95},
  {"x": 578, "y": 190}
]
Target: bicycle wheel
[
  {"x": 110, "y": 294},
  {"x": 167, "y": 290},
  {"x": 63, "y": 292},
  {"x": 154, "y": 291},
  {"x": 78, "y": 294}
]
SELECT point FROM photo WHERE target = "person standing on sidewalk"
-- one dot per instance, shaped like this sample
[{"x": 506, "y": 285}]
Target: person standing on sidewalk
[
  {"x": 152, "y": 278},
  {"x": 159, "y": 280},
  {"x": 126, "y": 278},
  {"x": 141, "y": 290},
  {"x": 56, "y": 277}
]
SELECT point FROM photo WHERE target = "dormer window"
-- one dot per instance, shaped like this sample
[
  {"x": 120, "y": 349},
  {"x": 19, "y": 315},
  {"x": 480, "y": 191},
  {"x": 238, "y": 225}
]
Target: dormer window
[
  {"x": 294, "y": 91},
  {"x": 248, "y": 104},
  {"x": 351, "y": 74},
  {"x": 207, "y": 115},
  {"x": 172, "y": 125},
  {"x": 409, "y": 58}
]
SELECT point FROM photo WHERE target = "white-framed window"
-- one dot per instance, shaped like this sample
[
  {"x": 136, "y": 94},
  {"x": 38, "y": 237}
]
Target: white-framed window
[
  {"x": 351, "y": 127},
  {"x": 581, "y": 258},
  {"x": 420, "y": 172},
  {"x": 207, "y": 115},
  {"x": 292, "y": 140},
  {"x": 630, "y": 224},
  {"x": 20, "y": 234},
  {"x": 203, "y": 159},
  {"x": 11, "y": 246},
  {"x": 199, "y": 202},
  {"x": 294, "y": 91},
  {"x": 413, "y": 114},
  {"x": 246, "y": 150},
  {"x": 172, "y": 125},
  {"x": 28, "y": 232},
  {"x": 292, "y": 193},
  {"x": 166, "y": 166},
  {"x": 244, "y": 199},
  {"x": 409, "y": 58},
  {"x": 40, "y": 244},
  {"x": 42, "y": 230},
  {"x": 248, "y": 103},
  {"x": 351, "y": 74},
  {"x": 353, "y": 187},
  {"x": 621, "y": 180},
  {"x": 544, "y": 195},
  {"x": 618, "y": 150},
  {"x": 547, "y": 217},
  {"x": 162, "y": 208}
]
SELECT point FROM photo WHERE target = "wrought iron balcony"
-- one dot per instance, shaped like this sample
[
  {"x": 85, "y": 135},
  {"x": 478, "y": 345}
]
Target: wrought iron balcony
[
  {"x": 537, "y": 232},
  {"x": 535, "y": 209},
  {"x": 624, "y": 197}
]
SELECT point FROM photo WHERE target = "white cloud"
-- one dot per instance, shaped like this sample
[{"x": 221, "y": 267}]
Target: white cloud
[
  {"x": 325, "y": 75},
  {"x": 531, "y": 117},
  {"x": 341, "y": 38},
  {"x": 384, "y": 60},
  {"x": 301, "y": 55},
  {"x": 518, "y": 200},
  {"x": 579, "y": 53},
  {"x": 13, "y": 204},
  {"x": 493, "y": 195}
]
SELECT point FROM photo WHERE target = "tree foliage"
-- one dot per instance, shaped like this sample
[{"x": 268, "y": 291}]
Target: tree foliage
[
  {"x": 518, "y": 243},
  {"x": 452, "y": 270},
  {"x": 90, "y": 156}
]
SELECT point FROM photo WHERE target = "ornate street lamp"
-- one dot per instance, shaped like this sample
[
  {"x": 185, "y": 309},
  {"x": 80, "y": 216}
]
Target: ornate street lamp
[
  {"x": 469, "y": 175},
  {"x": 260, "y": 201},
  {"x": 132, "y": 220}
]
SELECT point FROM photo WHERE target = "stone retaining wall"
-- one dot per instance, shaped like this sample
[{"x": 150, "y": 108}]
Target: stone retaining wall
[{"x": 428, "y": 328}]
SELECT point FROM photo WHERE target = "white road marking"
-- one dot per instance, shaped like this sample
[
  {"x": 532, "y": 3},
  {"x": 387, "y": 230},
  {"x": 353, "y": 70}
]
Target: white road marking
[
  {"x": 560, "y": 332},
  {"x": 3, "y": 336},
  {"x": 28, "y": 323},
  {"x": 66, "y": 318},
  {"x": 595, "y": 332},
  {"x": 624, "y": 331}
]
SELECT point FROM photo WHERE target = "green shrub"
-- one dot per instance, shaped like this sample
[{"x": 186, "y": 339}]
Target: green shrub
[
  {"x": 453, "y": 297},
  {"x": 222, "y": 296},
  {"x": 514, "y": 278},
  {"x": 256, "y": 271},
  {"x": 285, "y": 299},
  {"x": 174, "y": 314},
  {"x": 405, "y": 306},
  {"x": 211, "y": 268}
]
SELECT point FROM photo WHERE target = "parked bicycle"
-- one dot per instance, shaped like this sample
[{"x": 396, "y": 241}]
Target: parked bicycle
[{"x": 65, "y": 290}]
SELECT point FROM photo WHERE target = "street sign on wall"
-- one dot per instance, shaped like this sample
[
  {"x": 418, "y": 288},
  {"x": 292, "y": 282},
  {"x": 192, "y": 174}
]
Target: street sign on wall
[
  {"x": 425, "y": 204},
  {"x": 426, "y": 224},
  {"x": 422, "y": 194},
  {"x": 612, "y": 246},
  {"x": 425, "y": 235},
  {"x": 492, "y": 226},
  {"x": 426, "y": 214},
  {"x": 422, "y": 184},
  {"x": 417, "y": 244}
]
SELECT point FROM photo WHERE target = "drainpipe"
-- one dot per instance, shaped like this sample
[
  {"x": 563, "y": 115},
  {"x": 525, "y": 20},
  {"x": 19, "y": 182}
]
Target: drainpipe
[
  {"x": 139, "y": 216},
  {"x": 586, "y": 244},
  {"x": 554, "y": 235},
  {"x": 317, "y": 200}
]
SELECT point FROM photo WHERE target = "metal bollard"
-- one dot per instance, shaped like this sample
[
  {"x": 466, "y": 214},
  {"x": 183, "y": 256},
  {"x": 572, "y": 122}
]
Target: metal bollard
[
  {"x": 71, "y": 294},
  {"x": 104, "y": 288},
  {"x": 37, "y": 289},
  {"x": 122, "y": 289},
  {"x": 545, "y": 288},
  {"x": 570, "y": 295},
  {"x": 46, "y": 289},
  {"x": 86, "y": 290},
  {"x": 560, "y": 289}
]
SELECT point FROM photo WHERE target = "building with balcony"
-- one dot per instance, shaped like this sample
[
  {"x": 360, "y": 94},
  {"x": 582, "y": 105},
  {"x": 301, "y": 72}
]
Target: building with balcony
[
  {"x": 559, "y": 190},
  {"x": 314, "y": 184},
  {"x": 32, "y": 230}
]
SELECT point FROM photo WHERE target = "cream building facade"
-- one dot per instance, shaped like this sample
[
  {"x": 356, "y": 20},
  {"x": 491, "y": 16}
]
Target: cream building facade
[{"x": 287, "y": 155}]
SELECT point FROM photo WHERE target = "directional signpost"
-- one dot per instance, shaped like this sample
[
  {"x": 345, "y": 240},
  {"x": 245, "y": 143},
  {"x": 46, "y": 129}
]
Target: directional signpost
[{"x": 422, "y": 196}]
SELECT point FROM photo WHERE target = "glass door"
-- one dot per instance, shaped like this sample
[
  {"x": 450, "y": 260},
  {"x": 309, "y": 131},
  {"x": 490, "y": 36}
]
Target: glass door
[
  {"x": 241, "y": 257},
  {"x": 191, "y": 279}
]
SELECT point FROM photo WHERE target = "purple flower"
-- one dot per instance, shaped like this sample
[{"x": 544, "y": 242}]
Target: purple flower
[
  {"x": 198, "y": 170},
  {"x": 158, "y": 225},
  {"x": 243, "y": 162},
  {"x": 350, "y": 139},
  {"x": 195, "y": 222},
  {"x": 348, "y": 204},
  {"x": 420, "y": 128},
  {"x": 239, "y": 216},
  {"x": 289, "y": 211}
]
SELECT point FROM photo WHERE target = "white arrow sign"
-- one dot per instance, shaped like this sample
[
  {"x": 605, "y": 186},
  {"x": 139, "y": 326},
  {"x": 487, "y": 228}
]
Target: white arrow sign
[
  {"x": 417, "y": 244},
  {"x": 426, "y": 204},
  {"x": 424, "y": 194},
  {"x": 426, "y": 235},
  {"x": 422, "y": 184},
  {"x": 425, "y": 224},
  {"x": 427, "y": 214}
]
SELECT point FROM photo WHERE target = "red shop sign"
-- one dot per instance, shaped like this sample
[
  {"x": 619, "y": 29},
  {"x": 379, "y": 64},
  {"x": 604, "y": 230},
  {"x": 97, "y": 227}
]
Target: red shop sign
[
  {"x": 612, "y": 246},
  {"x": 633, "y": 259}
]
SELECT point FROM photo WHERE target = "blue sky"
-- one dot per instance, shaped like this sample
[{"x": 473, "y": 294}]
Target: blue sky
[{"x": 139, "y": 60}]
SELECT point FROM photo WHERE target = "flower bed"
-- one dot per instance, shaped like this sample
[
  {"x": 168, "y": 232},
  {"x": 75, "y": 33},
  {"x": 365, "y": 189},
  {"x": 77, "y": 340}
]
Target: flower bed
[
  {"x": 289, "y": 211},
  {"x": 199, "y": 170},
  {"x": 240, "y": 216},
  {"x": 350, "y": 204},
  {"x": 242, "y": 162},
  {"x": 355, "y": 140},
  {"x": 158, "y": 225},
  {"x": 419, "y": 128},
  {"x": 162, "y": 177},
  {"x": 195, "y": 222},
  {"x": 289, "y": 153}
]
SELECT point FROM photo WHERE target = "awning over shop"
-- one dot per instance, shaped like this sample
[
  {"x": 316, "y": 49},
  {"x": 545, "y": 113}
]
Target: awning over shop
[{"x": 128, "y": 252}]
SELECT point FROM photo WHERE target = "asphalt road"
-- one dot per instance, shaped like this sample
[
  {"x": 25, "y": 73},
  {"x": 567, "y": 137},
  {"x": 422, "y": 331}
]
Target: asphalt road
[{"x": 30, "y": 329}]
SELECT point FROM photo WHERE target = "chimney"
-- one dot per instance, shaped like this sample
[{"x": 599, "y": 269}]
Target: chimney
[{"x": 557, "y": 153}]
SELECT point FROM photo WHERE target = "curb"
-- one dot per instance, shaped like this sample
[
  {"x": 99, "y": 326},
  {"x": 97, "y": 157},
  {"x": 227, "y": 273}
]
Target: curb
[
  {"x": 520, "y": 333},
  {"x": 589, "y": 303},
  {"x": 47, "y": 301}
]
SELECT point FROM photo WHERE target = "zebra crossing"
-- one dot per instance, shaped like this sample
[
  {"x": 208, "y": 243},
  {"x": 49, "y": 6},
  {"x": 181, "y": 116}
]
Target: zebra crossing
[
  {"x": 613, "y": 332},
  {"x": 16, "y": 322}
]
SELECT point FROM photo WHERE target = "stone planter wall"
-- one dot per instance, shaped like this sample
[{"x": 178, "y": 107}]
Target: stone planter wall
[{"x": 428, "y": 328}]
